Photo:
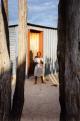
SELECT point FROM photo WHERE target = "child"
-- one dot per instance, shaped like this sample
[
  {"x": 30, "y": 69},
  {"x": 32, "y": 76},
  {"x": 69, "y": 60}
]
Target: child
[{"x": 38, "y": 71}]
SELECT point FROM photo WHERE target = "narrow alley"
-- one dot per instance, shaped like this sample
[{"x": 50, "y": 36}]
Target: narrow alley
[{"x": 41, "y": 101}]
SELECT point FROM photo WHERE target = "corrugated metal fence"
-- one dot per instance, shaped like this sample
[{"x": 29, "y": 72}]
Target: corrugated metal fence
[{"x": 50, "y": 46}]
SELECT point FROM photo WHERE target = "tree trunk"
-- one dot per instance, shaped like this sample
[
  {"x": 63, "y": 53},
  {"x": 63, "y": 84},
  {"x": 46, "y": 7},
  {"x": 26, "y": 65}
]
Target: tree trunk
[
  {"x": 69, "y": 59},
  {"x": 18, "y": 100},
  {"x": 5, "y": 70}
]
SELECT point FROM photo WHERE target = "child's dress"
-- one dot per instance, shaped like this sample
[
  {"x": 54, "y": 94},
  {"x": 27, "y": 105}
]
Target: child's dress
[{"x": 38, "y": 70}]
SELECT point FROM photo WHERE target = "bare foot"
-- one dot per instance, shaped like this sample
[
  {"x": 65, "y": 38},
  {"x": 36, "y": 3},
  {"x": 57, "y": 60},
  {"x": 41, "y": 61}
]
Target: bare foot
[
  {"x": 47, "y": 80},
  {"x": 54, "y": 85},
  {"x": 44, "y": 82}
]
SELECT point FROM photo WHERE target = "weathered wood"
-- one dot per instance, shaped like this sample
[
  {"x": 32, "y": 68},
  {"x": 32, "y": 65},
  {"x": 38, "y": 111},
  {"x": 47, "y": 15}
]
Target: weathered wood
[
  {"x": 6, "y": 6},
  {"x": 69, "y": 59},
  {"x": 18, "y": 100},
  {"x": 5, "y": 69},
  {"x": 5, "y": 17}
]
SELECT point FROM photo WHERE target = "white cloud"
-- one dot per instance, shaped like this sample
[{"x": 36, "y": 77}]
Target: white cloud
[
  {"x": 44, "y": 13},
  {"x": 41, "y": 7}
]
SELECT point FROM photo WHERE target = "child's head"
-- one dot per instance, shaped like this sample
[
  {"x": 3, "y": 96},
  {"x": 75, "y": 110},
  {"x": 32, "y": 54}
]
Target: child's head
[{"x": 39, "y": 54}]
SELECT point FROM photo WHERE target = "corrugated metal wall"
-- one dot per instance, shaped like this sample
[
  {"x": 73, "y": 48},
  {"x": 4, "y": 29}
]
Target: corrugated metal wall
[
  {"x": 13, "y": 47},
  {"x": 49, "y": 44}
]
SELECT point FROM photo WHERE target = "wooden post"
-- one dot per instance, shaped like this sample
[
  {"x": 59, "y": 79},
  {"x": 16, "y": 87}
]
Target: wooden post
[
  {"x": 69, "y": 59},
  {"x": 6, "y": 6},
  {"x": 5, "y": 69},
  {"x": 22, "y": 31},
  {"x": 18, "y": 100}
]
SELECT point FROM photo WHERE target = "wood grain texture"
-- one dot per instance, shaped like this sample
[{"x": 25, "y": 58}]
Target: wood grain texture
[
  {"x": 5, "y": 68},
  {"x": 18, "y": 99},
  {"x": 69, "y": 59}
]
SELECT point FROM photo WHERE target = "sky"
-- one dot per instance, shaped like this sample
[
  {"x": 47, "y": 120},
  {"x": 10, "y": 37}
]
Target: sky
[{"x": 40, "y": 12}]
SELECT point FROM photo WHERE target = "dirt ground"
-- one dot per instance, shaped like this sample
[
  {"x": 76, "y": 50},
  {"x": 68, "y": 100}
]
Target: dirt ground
[{"x": 41, "y": 101}]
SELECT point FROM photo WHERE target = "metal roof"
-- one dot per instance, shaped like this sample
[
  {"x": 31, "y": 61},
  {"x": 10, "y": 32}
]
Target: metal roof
[{"x": 35, "y": 25}]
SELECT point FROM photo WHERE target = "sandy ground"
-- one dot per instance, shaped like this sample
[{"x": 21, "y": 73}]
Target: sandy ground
[{"x": 41, "y": 101}]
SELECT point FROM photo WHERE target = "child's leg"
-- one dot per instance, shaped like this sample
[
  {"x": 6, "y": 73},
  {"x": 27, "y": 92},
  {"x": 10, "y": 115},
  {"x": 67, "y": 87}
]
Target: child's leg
[
  {"x": 42, "y": 79},
  {"x": 35, "y": 79}
]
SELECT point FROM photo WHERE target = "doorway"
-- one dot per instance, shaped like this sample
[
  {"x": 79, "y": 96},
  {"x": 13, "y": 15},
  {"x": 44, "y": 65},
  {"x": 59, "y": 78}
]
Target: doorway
[{"x": 35, "y": 44}]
